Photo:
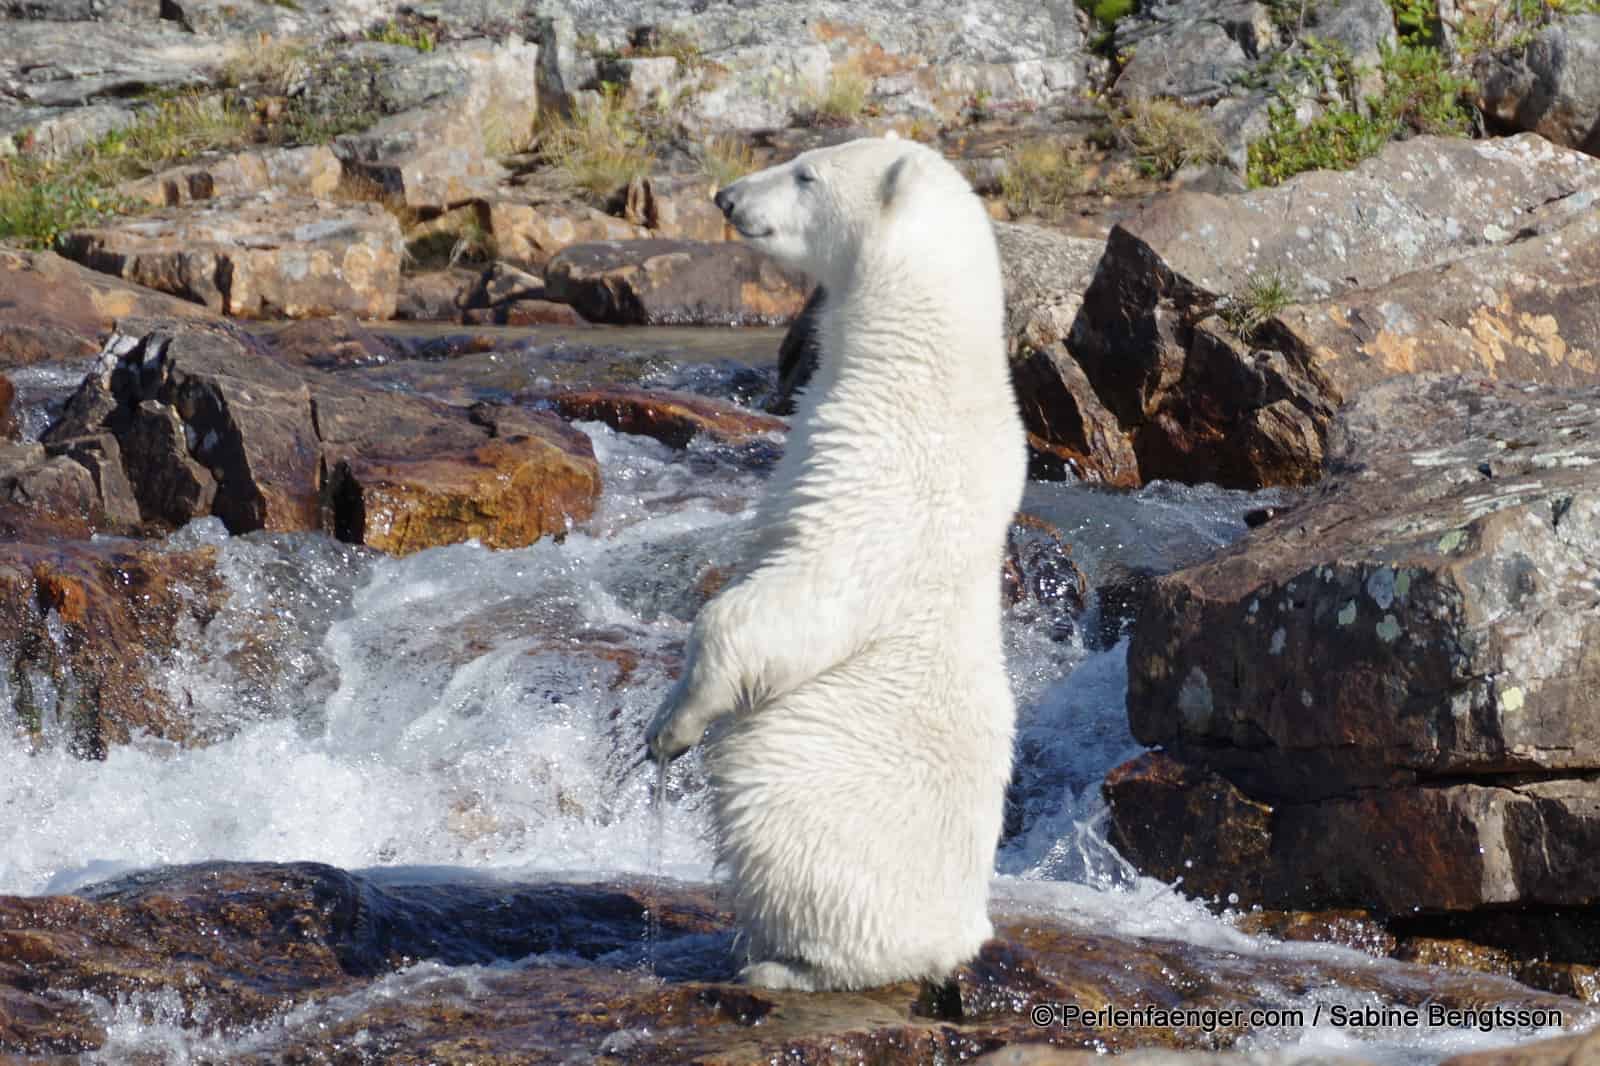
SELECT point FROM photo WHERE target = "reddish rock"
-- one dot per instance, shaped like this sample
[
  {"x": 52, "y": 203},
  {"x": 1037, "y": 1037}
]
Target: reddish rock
[
  {"x": 674, "y": 418},
  {"x": 529, "y": 233},
  {"x": 676, "y": 283},
  {"x": 675, "y": 207},
  {"x": 8, "y": 417}
]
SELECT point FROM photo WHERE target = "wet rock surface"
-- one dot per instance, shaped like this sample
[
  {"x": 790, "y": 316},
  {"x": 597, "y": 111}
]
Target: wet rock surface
[
  {"x": 671, "y": 417},
  {"x": 1384, "y": 697},
  {"x": 226, "y": 945},
  {"x": 210, "y": 422}
]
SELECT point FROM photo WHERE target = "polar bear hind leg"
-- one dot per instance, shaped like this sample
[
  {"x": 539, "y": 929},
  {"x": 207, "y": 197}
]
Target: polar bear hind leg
[{"x": 858, "y": 857}]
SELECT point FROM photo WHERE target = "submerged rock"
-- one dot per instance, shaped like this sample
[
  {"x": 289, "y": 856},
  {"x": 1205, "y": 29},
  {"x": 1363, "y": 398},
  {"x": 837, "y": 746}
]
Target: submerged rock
[
  {"x": 389, "y": 968},
  {"x": 1385, "y": 697},
  {"x": 674, "y": 418}
]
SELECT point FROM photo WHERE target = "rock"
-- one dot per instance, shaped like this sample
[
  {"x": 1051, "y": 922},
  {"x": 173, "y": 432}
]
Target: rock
[
  {"x": 529, "y": 234},
  {"x": 257, "y": 257},
  {"x": 404, "y": 475},
  {"x": 435, "y": 296},
  {"x": 82, "y": 10},
  {"x": 312, "y": 171},
  {"x": 675, "y": 207},
  {"x": 1559, "y": 1051},
  {"x": 65, "y": 64},
  {"x": 662, "y": 282},
  {"x": 57, "y": 311},
  {"x": 8, "y": 417},
  {"x": 240, "y": 943},
  {"x": 674, "y": 418},
  {"x": 1344, "y": 270},
  {"x": 434, "y": 152},
  {"x": 52, "y": 132},
  {"x": 1391, "y": 686},
  {"x": 757, "y": 69},
  {"x": 1193, "y": 52},
  {"x": 1550, "y": 87},
  {"x": 289, "y": 449},
  {"x": 85, "y": 629}
]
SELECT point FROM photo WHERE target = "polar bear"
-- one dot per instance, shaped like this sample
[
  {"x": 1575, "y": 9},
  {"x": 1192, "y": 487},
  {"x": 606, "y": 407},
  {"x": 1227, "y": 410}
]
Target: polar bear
[{"x": 858, "y": 784}]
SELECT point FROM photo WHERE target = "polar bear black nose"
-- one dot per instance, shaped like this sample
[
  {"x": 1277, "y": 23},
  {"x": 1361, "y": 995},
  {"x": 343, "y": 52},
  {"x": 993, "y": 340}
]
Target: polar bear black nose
[{"x": 724, "y": 201}]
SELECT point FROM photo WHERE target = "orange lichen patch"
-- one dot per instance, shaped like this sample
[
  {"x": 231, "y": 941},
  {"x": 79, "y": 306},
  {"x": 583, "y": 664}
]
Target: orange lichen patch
[
  {"x": 1398, "y": 353},
  {"x": 866, "y": 53}
]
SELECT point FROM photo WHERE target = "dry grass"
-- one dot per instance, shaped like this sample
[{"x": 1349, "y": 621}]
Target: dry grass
[
  {"x": 1042, "y": 179},
  {"x": 1165, "y": 137},
  {"x": 842, "y": 100},
  {"x": 727, "y": 159},
  {"x": 599, "y": 149},
  {"x": 270, "y": 67}
]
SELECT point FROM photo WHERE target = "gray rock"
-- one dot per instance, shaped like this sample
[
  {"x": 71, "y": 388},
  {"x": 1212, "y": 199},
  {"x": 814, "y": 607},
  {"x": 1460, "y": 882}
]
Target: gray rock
[
  {"x": 1396, "y": 680},
  {"x": 674, "y": 282},
  {"x": 1355, "y": 258},
  {"x": 81, "y": 10},
  {"x": 1192, "y": 50},
  {"x": 1552, "y": 87},
  {"x": 61, "y": 64}
]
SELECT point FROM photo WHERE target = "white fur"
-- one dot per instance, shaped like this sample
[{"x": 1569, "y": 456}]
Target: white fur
[{"x": 859, "y": 784}]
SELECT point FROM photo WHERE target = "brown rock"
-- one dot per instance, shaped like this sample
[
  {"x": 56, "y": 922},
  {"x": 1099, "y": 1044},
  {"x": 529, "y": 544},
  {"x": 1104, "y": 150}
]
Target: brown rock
[
  {"x": 528, "y": 234},
  {"x": 8, "y": 417},
  {"x": 662, "y": 282},
  {"x": 674, "y": 418},
  {"x": 312, "y": 171},
  {"x": 1247, "y": 405},
  {"x": 237, "y": 943},
  {"x": 53, "y": 310},
  {"x": 435, "y": 296},
  {"x": 257, "y": 257},
  {"x": 404, "y": 476},
  {"x": 86, "y": 628},
  {"x": 675, "y": 207},
  {"x": 1548, "y": 84}
]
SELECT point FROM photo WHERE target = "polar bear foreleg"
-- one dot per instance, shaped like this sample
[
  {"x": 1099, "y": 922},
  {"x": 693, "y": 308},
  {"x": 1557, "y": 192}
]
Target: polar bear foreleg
[{"x": 756, "y": 640}]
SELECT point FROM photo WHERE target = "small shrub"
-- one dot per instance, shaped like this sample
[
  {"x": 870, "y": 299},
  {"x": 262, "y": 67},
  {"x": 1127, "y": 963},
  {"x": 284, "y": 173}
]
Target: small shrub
[
  {"x": 599, "y": 149},
  {"x": 1264, "y": 295},
  {"x": 40, "y": 201},
  {"x": 418, "y": 37},
  {"x": 1416, "y": 22},
  {"x": 842, "y": 100},
  {"x": 1420, "y": 95},
  {"x": 727, "y": 159},
  {"x": 1165, "y": 137},
  {"x": 1108, "y": 12},
  {"x": 1041, "y": 179}
]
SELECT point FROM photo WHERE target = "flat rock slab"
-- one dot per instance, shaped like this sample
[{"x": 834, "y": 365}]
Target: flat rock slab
[
  {"x": 209, "y": 421},
  {"x": 240, "y": 942},
  {"x": 265, "y": 256},
  {"x": 674, "y": 283},
  {"x": 1439, "y": 254},
  {"x": 1405, "y": 664}
]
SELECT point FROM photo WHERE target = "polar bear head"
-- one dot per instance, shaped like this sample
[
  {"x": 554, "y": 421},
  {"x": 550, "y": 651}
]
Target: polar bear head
[{"x": 817, "y": 212}]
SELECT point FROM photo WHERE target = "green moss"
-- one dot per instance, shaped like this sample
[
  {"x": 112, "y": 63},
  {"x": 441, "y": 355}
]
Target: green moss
[{"x": 392, "y": 32}]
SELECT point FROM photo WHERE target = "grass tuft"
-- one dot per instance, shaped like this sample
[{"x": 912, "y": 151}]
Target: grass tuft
[
  {"x": 1165, "y": 137},
  {"x": 1042, "y": 179},
  {"x": 727, "y": 159},
  {"x": 599, "y": 149},
  {"x": 841, "y": 101},
  {"x": 1265, "y": 294}
]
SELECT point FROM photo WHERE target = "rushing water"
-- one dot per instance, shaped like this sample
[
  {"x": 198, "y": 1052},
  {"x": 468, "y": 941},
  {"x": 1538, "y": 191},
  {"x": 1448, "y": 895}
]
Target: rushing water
[{"x": 483, "y": 711}]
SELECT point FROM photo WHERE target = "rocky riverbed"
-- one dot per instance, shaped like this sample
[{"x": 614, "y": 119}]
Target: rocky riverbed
[{"x": 381, "y": 394}]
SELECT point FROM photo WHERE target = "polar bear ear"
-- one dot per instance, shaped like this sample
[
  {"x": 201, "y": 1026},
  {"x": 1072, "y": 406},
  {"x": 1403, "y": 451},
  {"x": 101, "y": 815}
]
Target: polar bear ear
[{"x": 902, "y": 175}]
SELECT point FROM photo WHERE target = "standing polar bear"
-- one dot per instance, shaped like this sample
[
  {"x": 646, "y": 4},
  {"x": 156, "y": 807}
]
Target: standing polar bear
[{"x": 859, "y": 784}]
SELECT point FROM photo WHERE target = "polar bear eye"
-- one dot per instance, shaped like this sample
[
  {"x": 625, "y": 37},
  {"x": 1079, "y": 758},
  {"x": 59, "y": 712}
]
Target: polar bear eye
[{"x": 806, "y": 174}]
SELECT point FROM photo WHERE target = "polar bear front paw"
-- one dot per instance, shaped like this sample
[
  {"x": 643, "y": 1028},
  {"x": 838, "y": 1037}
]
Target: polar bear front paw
[
  {"x": 674, "y": 729},
  {"x": 793, "y": 976}
]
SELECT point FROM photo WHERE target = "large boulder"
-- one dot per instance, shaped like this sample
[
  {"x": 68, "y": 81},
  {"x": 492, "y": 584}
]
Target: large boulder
[
  {"x": 674, "y": 283},
  {"x": 310, "y": 171},
  {"x": 1551, "y": 86},
  {"x": 1390, "y": 695},
  {"x": 1223, "y": 333},
  {"x": 209, "y": 422},
  {"x": 257, "y": 257}
]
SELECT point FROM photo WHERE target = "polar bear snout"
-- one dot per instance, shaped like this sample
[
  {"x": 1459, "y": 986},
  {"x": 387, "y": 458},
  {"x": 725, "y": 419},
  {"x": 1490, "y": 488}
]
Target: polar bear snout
[
  {"x": 729, "y": 201},
  {"x": 725, "y": 201}
]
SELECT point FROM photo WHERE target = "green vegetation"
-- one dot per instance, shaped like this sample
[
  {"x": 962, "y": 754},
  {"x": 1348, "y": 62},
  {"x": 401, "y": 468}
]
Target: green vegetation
[
  {"x": 40, "y": 199},
  {"x": 841, "y": 101},
  {"x": 418, "y": 37},
  {"x": 727, "y": 159},
  {"x": 1416, "y": 22},
  {"x": 1265, "y": 294},
  {"x": 1107, "y": 12},
  {"x": 1420, "y": 95},
  {"x": 599, "y": 149},
  {"x": 1165, "y": 136},
  {"x": 1041, "y": 179}
]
